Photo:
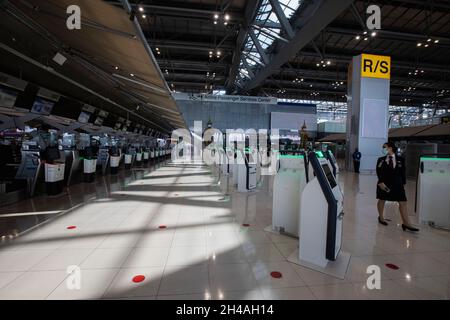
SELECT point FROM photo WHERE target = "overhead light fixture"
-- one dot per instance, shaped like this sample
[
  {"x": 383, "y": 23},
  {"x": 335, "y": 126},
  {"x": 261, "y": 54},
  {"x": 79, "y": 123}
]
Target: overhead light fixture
[
  {"x": 132, "y": 74},
  {"x": 215, "y": 22},
  {"x": 225, "y": 23},
  {"x": 216, "y": 16},
  {"x": 419, "y": 44},
  {"x": 436, "y": 41},
  {"x": 141, "y": 9},
  {"x": 144, "y": 16},
  {"x": 373, "y": 34},
  {"x": 358, "y": 37},
  {"x": 365, "y": 32},
  {"x": 59, "y": 59},
  {"x": 429, "y": 40},
  {"x": 227, "y": 17},
  {"x": 365, "y": 39},
  {"x": 328, "y": 62},
  {"x": 116, "y": 67}
]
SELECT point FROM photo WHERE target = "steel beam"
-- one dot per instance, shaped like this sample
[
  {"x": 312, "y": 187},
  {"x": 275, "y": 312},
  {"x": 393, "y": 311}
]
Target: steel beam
[
  {"x": 275, "y": 4},
  {"x": 257, "y": 44},
  {"x": 324, "y": 15},
  {"x": 249, "y": 16}
]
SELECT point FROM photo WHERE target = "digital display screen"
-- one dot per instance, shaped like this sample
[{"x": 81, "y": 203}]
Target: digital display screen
[
  {"x": 42, "y": 106},
  {"x": 7, "y": 98},
  {"x": 98, "y": 121},
  {"x": 103, "y": 114},
  {"x": 84, "y": 117},
  {"x": 329, "y": 175}
]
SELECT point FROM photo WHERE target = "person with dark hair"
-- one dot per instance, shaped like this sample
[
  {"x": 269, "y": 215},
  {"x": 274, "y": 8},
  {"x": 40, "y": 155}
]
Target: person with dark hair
[
  {"x": 356, "y": 160},
  {"x": 391, "y": 174}
]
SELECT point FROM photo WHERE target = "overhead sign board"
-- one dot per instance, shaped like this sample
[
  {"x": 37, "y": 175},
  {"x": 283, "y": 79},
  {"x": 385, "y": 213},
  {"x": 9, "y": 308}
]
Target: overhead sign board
[{"x": 373, "y": 66}]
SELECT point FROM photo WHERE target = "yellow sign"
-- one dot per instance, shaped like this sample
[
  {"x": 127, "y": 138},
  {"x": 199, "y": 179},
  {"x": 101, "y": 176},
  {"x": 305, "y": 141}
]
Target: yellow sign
[{"x": 375, "y": 66}]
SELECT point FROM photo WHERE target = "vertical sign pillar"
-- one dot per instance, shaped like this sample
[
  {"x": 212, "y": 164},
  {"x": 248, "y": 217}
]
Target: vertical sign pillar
[{"x": 368, "y": 109}]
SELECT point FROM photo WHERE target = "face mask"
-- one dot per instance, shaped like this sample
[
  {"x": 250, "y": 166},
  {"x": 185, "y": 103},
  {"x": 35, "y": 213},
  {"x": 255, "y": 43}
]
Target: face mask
[{"x": 385, "y": 151}]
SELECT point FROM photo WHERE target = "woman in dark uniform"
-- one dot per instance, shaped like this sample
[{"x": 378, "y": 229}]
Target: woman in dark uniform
[{"x": 391, "y": 174}]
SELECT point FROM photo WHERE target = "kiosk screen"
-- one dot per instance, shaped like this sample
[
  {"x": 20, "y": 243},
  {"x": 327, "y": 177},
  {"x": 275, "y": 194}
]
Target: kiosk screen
[{"x": 329, "y": 175}]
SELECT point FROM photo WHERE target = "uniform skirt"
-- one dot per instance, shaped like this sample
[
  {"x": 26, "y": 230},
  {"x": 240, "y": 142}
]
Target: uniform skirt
[{"x": 396, "y": 193}]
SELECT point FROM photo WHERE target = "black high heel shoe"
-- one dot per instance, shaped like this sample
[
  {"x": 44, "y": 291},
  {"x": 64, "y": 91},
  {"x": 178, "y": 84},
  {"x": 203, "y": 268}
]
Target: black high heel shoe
[
  {"x": 405, "y": 227},
  {"x": 384, "y": 223}
]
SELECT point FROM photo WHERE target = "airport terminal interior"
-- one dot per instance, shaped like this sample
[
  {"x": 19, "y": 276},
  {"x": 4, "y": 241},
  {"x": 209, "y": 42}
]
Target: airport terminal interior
[{"x": 224, "y": 150}]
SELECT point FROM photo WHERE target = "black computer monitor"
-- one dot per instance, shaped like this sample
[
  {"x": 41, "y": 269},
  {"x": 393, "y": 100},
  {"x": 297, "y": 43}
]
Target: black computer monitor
[{"x": 67, "y": 108}]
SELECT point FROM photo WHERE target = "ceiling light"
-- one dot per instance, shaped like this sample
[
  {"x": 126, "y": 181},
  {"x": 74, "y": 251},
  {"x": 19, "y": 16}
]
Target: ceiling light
[
  {"x": 373, "y": 34},
  {"x": 215, "y": 22},
  {"x": 365, "y": 39},
  {"x": 426, "y": 46},
  {"x": 358, "y": 37},
  {"x": 141, "y": 9},
  {"x": 157, "y": 49},
  {"x": 419, "y": 44},
  {"x": 219, "y": 53},
  {"x": 328, "y": 62},
  {"x": 365, "y": 32},
  {"x": 429, "y": 40},
  {"x": 216, "y": 16},
  {"x": 210, "y": 52},
  {"x": 131, "y": 74},
  {"x": 225, "y": 23},
  {"x": 318, "y": 64},
  {"x": 116, "y": 67},
  {"x": 144, "y": 16},
  {"x": 227, "y": 17},
  {"x": 436, "y": 41}
]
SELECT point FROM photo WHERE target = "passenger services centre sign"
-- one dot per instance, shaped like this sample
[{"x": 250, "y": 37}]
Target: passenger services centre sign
[{"x": 224, "y": 98}]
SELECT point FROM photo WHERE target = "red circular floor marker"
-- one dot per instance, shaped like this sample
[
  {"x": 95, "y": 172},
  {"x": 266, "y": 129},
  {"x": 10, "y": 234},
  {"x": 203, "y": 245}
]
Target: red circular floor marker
[
  {"x": 392, "y": 266},
  {"x": 138, "y": 278},
  {"x": 162, "y": 227},
  {"x": 246, "y": 225},
  {"x": 276, "y": 274},
  {"x": 71, "y": 227}
]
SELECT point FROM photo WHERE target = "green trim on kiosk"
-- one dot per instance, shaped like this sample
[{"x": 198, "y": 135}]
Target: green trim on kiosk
[
  {"x": 320, "y": 154},
  {"x": 291, "y": 156},
  {"x": 434, "y": 159}
]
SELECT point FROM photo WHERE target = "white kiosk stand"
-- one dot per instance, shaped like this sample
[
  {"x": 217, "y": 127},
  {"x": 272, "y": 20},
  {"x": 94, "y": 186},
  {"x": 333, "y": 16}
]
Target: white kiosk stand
[
  {"x": 433, "y": 190},
  {"x": 247, "y": 172},
  {"x": 320, "y": 225},
  {"x": 288, "y": 186}
]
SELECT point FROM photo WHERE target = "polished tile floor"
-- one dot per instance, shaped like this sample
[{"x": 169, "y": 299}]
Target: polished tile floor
[{"x": 181, "y": 227}]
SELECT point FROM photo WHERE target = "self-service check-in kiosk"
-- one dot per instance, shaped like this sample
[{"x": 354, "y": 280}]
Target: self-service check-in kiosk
[
  {"x": 139, "y": 158},
  {"x": 103, "y": 159},
  {"x": 288, "y": 186},
  {"x": 152, "y": 153},
  {"x": 145, "y": 155},
  {"x": 247, "y": 171},
  {"x": 89, "y": 164},
  {"x": 31, "y": 165},
  {"x": 54, "y": 170},
  {"x": 433, "y": 190},
  {"x": 72, "y": 156},
  {"x": 321, "y": 222},
  {"x": 226, "y": 156},
  {"x": 333, "y": 162},
  {"x": 114, "y": 162}
]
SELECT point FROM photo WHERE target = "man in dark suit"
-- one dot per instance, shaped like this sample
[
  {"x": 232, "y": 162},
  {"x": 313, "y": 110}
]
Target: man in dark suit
[
  {"x": 356, "y": 160},
  {"x": 391, "y": 174}
]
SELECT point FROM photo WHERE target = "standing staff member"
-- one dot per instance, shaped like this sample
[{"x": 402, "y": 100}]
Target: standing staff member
[
  {"x": 356, "y": 160},
  {"x": 391, "y": 174}
]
